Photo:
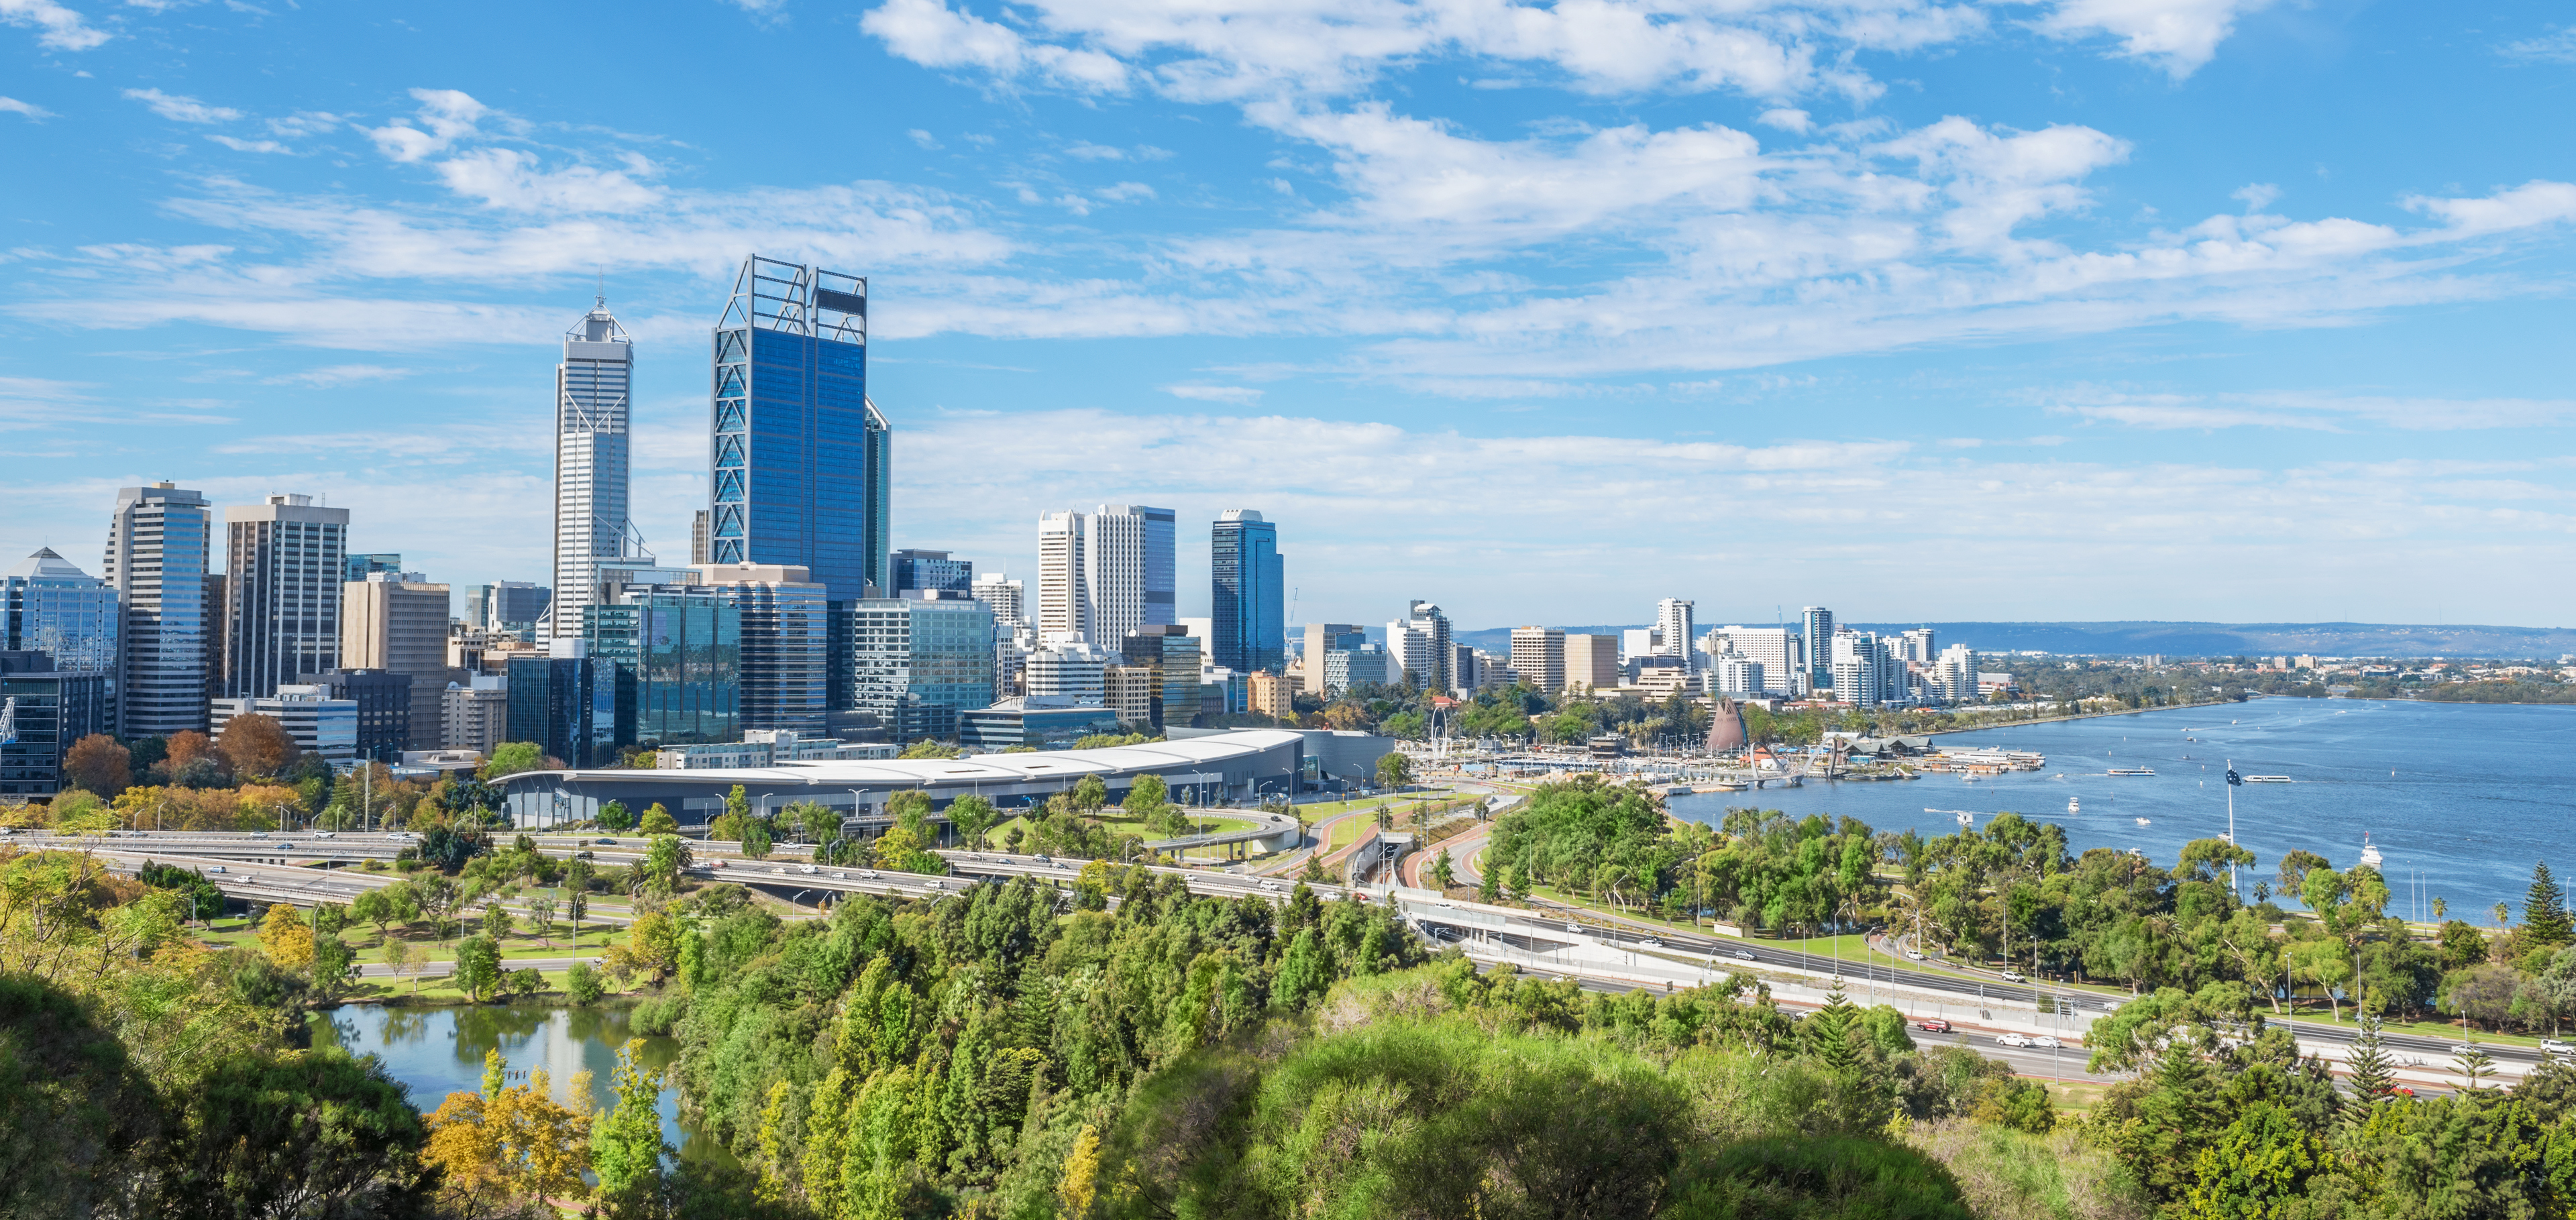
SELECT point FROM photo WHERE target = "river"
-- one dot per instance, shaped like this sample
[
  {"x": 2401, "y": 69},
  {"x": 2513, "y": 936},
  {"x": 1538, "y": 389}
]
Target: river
[
  {"x": 438, "y": 1051},
  {"x": 2460, "y": 798}
]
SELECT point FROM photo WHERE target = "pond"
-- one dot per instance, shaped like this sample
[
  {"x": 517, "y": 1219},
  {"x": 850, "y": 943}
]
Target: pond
[{"x": 438, "y": 1051}]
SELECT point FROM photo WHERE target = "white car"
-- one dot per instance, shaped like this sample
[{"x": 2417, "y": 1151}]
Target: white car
[
  {"x": 1914, "y": 955},
  {"x": 934, "y": 883},
  {"x": 1270, "y": 885},
  {"x": 2011, "y": 977},
  {"x": 841, "y": 876},
  {"x": 1650, "y": 942},
  {"x": 869, "y": 873},
  {"x": 2046, "y": 1042},
  {"x": 1745, "y": 956},
  {"x": 2012, "y": 1040},
  {"x": 216, "y": 869},
  {"x": 2553, "y": 1046},
  {"x": 808, "y": 869},
  {"x": 259, "y": 834},
  {"x": 324, "y": 834}
]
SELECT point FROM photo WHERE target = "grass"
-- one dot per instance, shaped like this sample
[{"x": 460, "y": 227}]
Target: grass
[{"x": 243, "y": 932}]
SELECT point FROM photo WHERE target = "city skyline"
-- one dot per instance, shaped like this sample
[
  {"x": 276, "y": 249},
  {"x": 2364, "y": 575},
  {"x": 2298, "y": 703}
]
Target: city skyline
[{"x": 2080, "y": 317}]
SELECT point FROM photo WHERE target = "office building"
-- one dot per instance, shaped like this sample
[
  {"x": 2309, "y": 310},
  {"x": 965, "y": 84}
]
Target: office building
[
  {"x": 1069, "y": 669},
  {"x": 698, "y": 537},
  {"x": 1467, "y": 668},
  {"x": 801, "y": 460},
  {"x": 1173, "y": 654},
  {"x": 515, "y": 606},
  {"x": 933, "y": 570},
  {"x": 1271, "y": 695},
  {"x": 48, "y": 605},
  {"x": 1129, "y": 690},
  {"x": 313, "y": 720},
  {"x": 384, "y": 704},
  {"x": 1538, "y": 656},
  {"x": 1103, "y": 574},
  {"x": 1815, "y": 667},
  {"x": 1418, "y": 645},
  {"x": 678, "y": 656},
  {"x": 391, "y": 622},
  {"x": 566, "y": 703},
  {"x": 592, "y": 418},
  {"x": 44, "y": 711},
  {"x": 1674, "y": 632},
  {"x": 158, "y": 545},
  {"x": 283, "y": 559},
  {"x": 1043, "y": 722},
  {"x": 1360, "y": 665},
  {"x": 1777, "y": 650},
  {"x": 1591, "y": 662},
  {"x": 1007, "y": 597},
  {"x": 1636, "y": 642},
  {"x": 1224, "y": 692},
  {"x": 476, "y": 712},
  {"x": 359, "y": 567},
  {"x": 1247, "y": 625},
  {"x": 1322, "y": 638},
  {"x": 785, "y": 643},
  {"x": 915, "y": 661}
]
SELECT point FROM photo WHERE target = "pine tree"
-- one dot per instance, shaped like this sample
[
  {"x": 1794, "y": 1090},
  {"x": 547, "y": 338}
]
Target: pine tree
[
  {"x": 2374, "y": 1077},
  {"x": 2544, "y": 910},
  {"x": 2476, "y": 1064},
  {"x": 1830, "y": 1032}
]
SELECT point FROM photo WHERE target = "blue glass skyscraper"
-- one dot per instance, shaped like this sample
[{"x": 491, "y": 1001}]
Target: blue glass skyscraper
[
  {"x": 800, "y": 457},
  {"x": 1248, "y": 610}
]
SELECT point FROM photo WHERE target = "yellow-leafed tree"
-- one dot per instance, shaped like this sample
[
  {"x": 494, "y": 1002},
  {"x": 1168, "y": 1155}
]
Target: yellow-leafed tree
[
  {"x": 516, "y": 1143},
  {"x": 288, "y": 939}
]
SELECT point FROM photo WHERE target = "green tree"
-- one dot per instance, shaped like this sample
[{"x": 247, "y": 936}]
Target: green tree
[
  {"x": 478, "y": 967},
  {"x": 2374, "y": 1073},
  {"x": 1090, "y": 795},
  {"x": 972, "y": 815},
  {"x": 665, "y": 858},
  {"x": 657, "y": 821},
  {"x": 1148, "y": 801},
  {"x": 335, "y": 966},
  {"x": 299, "y": 1133},
  {"x": 1442, "y": 872},
  {"x": 1395, "y": 769},
  {"x": 615, "y": 817},
  {"x": 2544, "y": 911},
  {"x": 929, "y": 748},
  {"x": 511, "y": 758},
  {"x": 626, "y": 1142},
  {"x": 755, "y": 840},
  {"x": 582, "y": 983}
]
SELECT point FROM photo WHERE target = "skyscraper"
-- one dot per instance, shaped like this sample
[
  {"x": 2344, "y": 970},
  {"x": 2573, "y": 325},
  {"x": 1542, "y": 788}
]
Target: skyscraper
[
  {"x": 1418, "y": 644},
  {"x": 283, "y": 559},
  {"x": 1674, "y": 633},
  {"x": 400, "y": 626},
  {"x": 678, "y": 652},
  {"x": 800, "y": 457},
  {"x": 918, "y": 569},
  {"x": 1816, "y": 666},
  {"x": 157, "y": 547},
  {"x": 1248, "y": 602},
  {"x": 509, "y": 605},
  {"x": 48, "y": 605},
  {"x": 916, "y": 661},
  {"x": 1102, "y": 575},
  {"x": 786, "y": 661},
  {"x": 591, "y": 457},
  {"x": 1538, "y": 656}
]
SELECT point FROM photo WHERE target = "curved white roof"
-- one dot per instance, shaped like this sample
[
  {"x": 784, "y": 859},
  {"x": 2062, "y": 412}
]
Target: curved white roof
[{"x": 1216, "y": 748}]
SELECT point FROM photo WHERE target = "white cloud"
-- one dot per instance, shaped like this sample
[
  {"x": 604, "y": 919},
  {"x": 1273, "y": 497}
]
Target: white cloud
[
  {"x": 2176, "y": 35},
  {"x": 929, "y": 33},
  {"x": 2312, "y": 412},
  {"x": 250, "y": 146},
  {"x": 1786, "y": 119},
  {"x": 2531, "y": 204},
  {"x": 11, "y": 105},
  {"x": 181, "y": 109},
  {"x": 2256, "y": 196},
  {"x": 330, "y": 376},
  {"x": 923, "y": 138},
  {"x": 305, "y": 123},
  {"x": 60, "y": 29},
  {"x": 2557, "y": 47},
  {"x": 1125, "y": 192},
  {"x": 1238, "y": 395},
  {"x": 446, "y": 115},
  {"x": 513, "y": 178}
]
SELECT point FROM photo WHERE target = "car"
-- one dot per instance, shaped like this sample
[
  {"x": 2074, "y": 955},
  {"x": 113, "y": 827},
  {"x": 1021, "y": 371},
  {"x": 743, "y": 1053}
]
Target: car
[
  {"x": 869, "y": 873},
  {"x": 2403, "y": 1091},
  {"x": 1914, "y": 955},
  {"x": 1270, "y": 885},
  {"x": 935, "y": 884},
  {"x": 8, "y": 830},
  {"x": 840, "y": 876},
  {"x": 2011, "y": 1040},
  {"x": 1933, "y": 1025},
  {"x": 323, "y": 834},
  {"x": 606, "y": 842},
  {"x": 2554, "y": 1046},
  {"x": 1042, "y": 859},
  {"x": 1446, "y": 903},
  {"x": 1573, "y": 927},
  {"x": 259, "y": 834},
  {"x": 1745, "y": 955},
  {"x": 216, "y": 869},
  {"x": 779, "y": 869},
  {"x": 396, "y": 837},
  {"x": 2011, "y": 977},
  {"x": 1062, "y": 865},
  {"x": 716, "y": 864},
  {"x": 1650, "y": 942},
  {"x": 808, "y": 869},
  {"x": 2111, "y": 1005},
  {"x": 2046, "y": 1042},
  {"x": 585, "y": 855},
  {"x": 2462, "y": 1048}
]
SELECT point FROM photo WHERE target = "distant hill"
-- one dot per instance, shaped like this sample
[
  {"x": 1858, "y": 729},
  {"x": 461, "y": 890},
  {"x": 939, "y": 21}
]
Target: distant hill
[{"x": 2199, "y": 639}]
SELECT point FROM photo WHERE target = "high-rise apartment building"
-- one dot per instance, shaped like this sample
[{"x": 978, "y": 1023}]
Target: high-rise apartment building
[
  {"x": 1918, "y": 647},
  {"x": 1417, "y": 647},
  {"x": 1778, "y": 651},
  {"x": 283, "y": 560},
  {"x": 1737, "y": 674},
  {"x": 1815, "y": 668},
  {"x": 399, "y": 625},
  {"x": 933, "y": 570},
  {"x": 383, "y": 702},
  {"x": 476, "y": 709},
  {"x": 1591, "y": 662},
  {"x": 785, "y": 655},
  {"x": 1538, "y": 656},
  {"x": 1322, "y": 641},
  {"x": 1674, "y": 632},
  {"x": 800, "y": 459},
  {"x": 592, "y": 452},
  {"x": 158, "y": 547},
  {"x": 565, "y": 702},
  {"x": 1104, "y": 574},
  {"x": 1957, "y": 672},
  {"x": 1248, "y": 627},
  {"x": 48, "y": 605},
  {"x": 1270, "y": 695},
  {"x": 1007, "y": 597}
]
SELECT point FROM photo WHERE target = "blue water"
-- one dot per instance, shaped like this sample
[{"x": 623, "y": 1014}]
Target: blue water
[
  {"x": 2478, "y": 791},
  {"x": 438, "y": 1051}
]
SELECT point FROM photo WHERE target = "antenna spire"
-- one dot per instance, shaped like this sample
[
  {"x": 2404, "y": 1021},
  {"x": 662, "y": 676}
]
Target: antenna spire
[{"x": 601, "y": 301}]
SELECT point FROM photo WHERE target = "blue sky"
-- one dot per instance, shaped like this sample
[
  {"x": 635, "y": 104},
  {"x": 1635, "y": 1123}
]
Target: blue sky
[{"x": 2080, "y": 309}]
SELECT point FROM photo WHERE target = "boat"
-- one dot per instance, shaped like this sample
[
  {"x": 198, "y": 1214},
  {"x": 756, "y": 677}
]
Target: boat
[
  {"x": 2269, "y": 779},
  {"x": 2074, "y": 806},
  {"x": 2369, "y": 851},
  {"x": 2144, "y": 822},
  {"x": 2130, "y": 771}
]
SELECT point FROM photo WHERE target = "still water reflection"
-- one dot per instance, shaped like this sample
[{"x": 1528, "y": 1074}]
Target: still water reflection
[{"x": 438, "y": 1051}]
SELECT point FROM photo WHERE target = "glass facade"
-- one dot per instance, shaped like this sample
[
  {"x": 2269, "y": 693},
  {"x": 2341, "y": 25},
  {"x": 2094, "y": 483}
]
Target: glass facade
[
  {"x": 1248, "y": 625},
  {"x": 1173, "y": 655},
  {"x": 158, "y": 548},
  {"x": 934, "y": 570},
  {"x": 567, "y": 705},
  {"x": 679, "y": 666},
  {"x": 783, "y": 655},
  {"x": 48, "y": 605},
  {"x": 913, "y": 663},
  {"x": 49, "y": 712},
  {"x": 799, "y": 467}
]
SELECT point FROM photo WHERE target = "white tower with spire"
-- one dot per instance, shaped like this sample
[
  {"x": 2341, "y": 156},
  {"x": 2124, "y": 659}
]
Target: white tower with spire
[{"x": 592, "y": 525}]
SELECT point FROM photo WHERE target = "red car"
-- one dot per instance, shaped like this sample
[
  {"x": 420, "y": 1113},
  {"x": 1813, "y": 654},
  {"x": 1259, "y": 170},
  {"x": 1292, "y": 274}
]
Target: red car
[{"x": 1933, "y": 1025}]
